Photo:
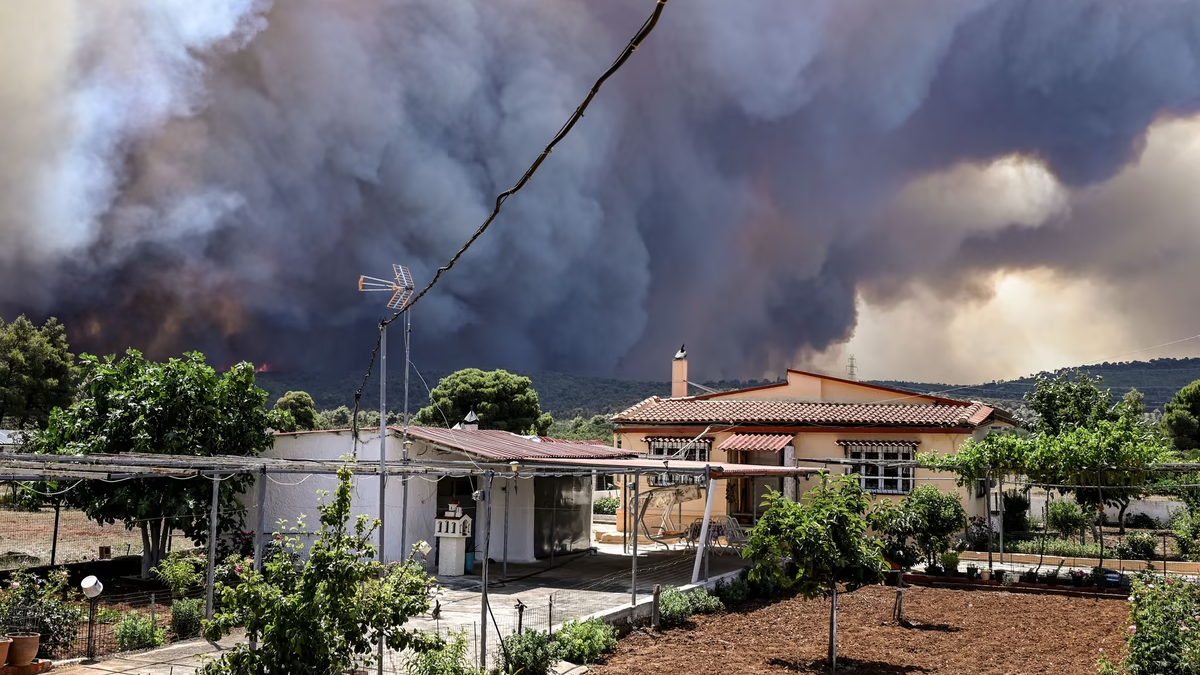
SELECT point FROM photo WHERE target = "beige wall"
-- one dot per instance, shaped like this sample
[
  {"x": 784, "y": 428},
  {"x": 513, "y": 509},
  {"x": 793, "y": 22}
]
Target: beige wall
[
  {"x": 810, "y": 445},
  {"x": 804, "y": 387}
]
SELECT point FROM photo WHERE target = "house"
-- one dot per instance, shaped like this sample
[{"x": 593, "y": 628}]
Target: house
[
  {"x": 531, "y": 515},
  {"x": 797, "y": 422}
]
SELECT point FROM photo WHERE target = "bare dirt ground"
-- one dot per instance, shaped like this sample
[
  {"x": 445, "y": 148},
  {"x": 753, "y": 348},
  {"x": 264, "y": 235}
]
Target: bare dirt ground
[
  {"x": 952, "y": 633},
  {"x": 26, "y": 538}
]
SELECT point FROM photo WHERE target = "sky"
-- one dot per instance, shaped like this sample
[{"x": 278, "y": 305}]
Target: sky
[{"x": 949, "y": 190}]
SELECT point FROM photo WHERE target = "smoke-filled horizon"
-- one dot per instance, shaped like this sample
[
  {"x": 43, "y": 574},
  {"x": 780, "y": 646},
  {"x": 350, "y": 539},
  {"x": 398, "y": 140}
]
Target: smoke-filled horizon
[{"x": 773, "y": 183}]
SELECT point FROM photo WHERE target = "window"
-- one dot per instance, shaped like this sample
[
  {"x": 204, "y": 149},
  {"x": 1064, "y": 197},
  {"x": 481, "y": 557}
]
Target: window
[
  {"x": 877, "y": 479},
  {"x": 678, "y": 449}
]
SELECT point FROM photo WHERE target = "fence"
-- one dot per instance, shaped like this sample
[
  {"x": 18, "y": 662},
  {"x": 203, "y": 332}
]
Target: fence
[{"x": 32, "y": 537}]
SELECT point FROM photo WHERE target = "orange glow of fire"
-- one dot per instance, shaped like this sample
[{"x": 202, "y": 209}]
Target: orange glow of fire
[{"x": 264, "y": 368}]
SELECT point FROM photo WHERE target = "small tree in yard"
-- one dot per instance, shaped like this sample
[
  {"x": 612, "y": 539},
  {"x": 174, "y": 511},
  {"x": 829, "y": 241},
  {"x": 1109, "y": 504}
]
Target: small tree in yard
[
  {"x": 181, "y": 407},
  {"x": 324, "y": 614},
  {"x": 813, "y": 545},
  {"x": 939, "y": 516}
]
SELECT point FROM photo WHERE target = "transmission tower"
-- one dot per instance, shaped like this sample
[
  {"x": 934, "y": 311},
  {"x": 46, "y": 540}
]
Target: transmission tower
[{"x": 852, "y": 368}]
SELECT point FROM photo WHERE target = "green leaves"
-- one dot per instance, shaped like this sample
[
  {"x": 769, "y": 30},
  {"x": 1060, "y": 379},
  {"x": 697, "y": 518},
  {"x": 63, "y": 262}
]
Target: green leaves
[
  {"x": 501, "y": 399},
  {"x": 1181, "y": 418},
  {"x": 297, "y": 412},
  {"x": 321, "y": 614},
  {"x": 818, "y": 542},
  {"x": 35, "y": 372}
]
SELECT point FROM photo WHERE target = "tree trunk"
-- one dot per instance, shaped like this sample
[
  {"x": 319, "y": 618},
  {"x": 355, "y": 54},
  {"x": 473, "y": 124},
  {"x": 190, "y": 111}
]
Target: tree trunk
[
  {"x": 163, "y": 536},
  {"x": 147, "y": 550},
  {"x": 1121, "y": 517},
  {"x": 833, "y": 630}
]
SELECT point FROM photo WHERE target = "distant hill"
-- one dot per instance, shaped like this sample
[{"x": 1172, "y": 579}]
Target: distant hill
[{"x": 565, "y": 395}]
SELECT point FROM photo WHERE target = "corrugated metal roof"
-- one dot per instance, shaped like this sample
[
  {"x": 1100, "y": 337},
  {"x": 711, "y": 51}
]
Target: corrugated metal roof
[
  {"x": 655, "y": 410},
  {"x": 757, "y": 442},
  {"x": 492, "y": 444},
  {"x": 717, "y": 469}
]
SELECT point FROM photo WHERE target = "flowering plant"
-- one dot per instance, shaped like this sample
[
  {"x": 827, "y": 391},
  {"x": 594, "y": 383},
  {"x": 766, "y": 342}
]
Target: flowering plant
[
  {"x": 42, "y": 605},
  {"x": 1163, "y": 637}
]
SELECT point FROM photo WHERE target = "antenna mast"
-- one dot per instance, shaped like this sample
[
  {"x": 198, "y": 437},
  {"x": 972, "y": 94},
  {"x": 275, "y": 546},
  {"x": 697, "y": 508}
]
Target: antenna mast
[{"x": 852, "y": 368}]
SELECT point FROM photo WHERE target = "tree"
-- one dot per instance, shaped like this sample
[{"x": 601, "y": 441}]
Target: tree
[
  {"x": 499, "y": 398},
  {"x": 300, "y": 409},
  {"x": 181, "y": 407},
  {"x": 1065, "y": 517},
  {"x": 815, "y": 544},
  {"x": 1069, "y": 399},
  {"x": 35, "y": 372},
  {"x": 598, "y": 428},
  {"x": 326, "y": 613},
  {"x": 938, "y": 515},
  {"x": 1181, "y": 419}
]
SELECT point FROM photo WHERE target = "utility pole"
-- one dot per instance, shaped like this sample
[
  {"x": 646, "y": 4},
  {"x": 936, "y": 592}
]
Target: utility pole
[{"x": 852, "y": 368}]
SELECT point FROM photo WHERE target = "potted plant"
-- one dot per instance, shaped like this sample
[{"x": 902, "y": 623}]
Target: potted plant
[
  {"x": 934, "y": 571},
  {"x": 1077, "y": 577},
  {"x": 972, "y": 572},
  {"x": 23, "y": 648},
  {"x": 950, "y": 563},
  {"x": 5, "y": 642}
]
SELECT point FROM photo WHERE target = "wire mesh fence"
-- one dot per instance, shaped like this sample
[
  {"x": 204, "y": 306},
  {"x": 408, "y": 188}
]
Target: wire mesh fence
[{"x": 30, "y": 538}]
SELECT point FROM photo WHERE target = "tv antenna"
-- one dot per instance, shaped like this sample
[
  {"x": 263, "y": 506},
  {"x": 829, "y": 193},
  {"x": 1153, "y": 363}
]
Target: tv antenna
[
  {"x": 852, "y": 368},
  {"x": 401, "y": 288}
]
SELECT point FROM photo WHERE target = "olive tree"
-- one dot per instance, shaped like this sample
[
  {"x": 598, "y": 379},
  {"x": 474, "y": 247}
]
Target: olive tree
[
  {"x": 813, "y": 545},
  {"x": 326, "y": 612}
]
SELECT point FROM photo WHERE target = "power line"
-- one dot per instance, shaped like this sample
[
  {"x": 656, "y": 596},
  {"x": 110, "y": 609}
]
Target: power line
[{"x": 566, "y": 128}]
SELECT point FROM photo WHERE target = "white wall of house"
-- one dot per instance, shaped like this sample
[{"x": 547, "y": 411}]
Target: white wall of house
[
  {"x": 1159, "y": 508},
  {"x": 520, "y": 519}
]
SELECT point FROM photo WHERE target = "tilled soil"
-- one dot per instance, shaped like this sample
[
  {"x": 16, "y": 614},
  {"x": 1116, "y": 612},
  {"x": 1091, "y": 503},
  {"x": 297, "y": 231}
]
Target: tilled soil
[{"x": 951, "y": 633}]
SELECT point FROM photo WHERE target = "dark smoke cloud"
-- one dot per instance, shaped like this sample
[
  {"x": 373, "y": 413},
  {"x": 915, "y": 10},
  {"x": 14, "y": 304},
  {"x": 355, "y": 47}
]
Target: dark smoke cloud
[{"x": 216, "y": 176}]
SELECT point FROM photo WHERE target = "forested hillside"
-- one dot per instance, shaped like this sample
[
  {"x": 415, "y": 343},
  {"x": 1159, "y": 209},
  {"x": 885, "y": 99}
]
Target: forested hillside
[{"x": 566, "y": 396}]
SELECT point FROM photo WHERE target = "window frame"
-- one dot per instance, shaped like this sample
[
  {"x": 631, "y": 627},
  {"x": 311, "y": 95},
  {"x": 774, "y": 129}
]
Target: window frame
[
  {"x": 873, "y": 478},
  {"x": 660, "y": 447}
]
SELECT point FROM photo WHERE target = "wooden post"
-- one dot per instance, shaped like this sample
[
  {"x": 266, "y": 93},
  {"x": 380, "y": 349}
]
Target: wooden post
[
  {"x": 655, "y": 616},
  {"x": 520, "y": 606},
  {"x": 54, "y": 542},
  {"x": 212, "y": 546}
]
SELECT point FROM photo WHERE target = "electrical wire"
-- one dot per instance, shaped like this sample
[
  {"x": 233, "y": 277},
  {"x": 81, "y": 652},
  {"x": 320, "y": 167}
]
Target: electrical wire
[{"x": 566, "y": 128}]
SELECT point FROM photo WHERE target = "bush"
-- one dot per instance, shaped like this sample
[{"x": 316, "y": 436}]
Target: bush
[
  {"x": 180, "y": 572},
  {"x": 186, "y": 617},
  {"x": 606, "y": 506},
  {"x": 585, "y": 642},
  {"x": 1016, "y": 511},
  {"x": 1164, "y": 636},
  {"x": 135, "y": 631},
  {"x": 733, "y": 592},
  {"x": 529, "y": 653},
  {"x": 1066, "y": 517},
  {"x": 448, "y": 659},
  {"x": 1137, "y": 546},
  {"x": 1141, "y": 521},
  {"x": 42, "y": 605},
  {"x": 1056, "y": 547},
  {"x": 1186, "y": 528},
  {"x": 978, "y": 535},
  {"x": 675, "y": 607},
  {"x": 950, "y": 562}
]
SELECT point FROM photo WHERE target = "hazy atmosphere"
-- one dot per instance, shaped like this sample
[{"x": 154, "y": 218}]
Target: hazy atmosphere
[{"x": 952, "y": 190}]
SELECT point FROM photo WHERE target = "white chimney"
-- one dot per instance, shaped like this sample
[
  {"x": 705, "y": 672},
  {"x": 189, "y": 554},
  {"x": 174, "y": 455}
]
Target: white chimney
[
  {"x": 679, "y": 378},
  {"x": 471, "y": 421}
]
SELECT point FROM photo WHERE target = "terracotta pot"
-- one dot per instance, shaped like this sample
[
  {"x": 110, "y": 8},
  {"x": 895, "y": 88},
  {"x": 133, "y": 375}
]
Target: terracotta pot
[
  {"x": 4, "y": 644},
  {"x": 24, "y": 647}
]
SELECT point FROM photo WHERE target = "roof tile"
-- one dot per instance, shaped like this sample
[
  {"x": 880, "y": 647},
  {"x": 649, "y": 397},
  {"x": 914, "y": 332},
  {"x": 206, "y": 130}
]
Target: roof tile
[{"x": 657, "y": 410}]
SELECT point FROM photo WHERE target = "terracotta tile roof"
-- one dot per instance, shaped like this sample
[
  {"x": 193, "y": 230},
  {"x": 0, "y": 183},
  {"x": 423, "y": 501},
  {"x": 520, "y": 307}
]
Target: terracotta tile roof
[
  {"x": 491, "y": 444},
  {"x": 873, "y": 443},
  {"x": 757, "y": 442},
  {"x": 655, "y": 410}
]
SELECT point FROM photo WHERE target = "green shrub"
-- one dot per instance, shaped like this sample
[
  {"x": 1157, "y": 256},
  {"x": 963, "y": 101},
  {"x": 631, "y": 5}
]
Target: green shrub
[
  {"x": 950, "y": 562},
  {"x": 702, "y": 602},
  {"x": 1186, "y": 528},
  {"x": 107, "y": 615},
  {"x": 1066, "y": 517},
  {"x": 584, "y": 642},
  {"x": 451, "y": 658},
  {"x": 1137, "y": 546},
  {"x": 1016, "y": 511},
  {"x": 1141, "y": 521},
  {"x": 1055, "y": 547},
  {"x": 676, "y": 607},
  {"x": 1164, "y": 633},
  {"x": 180, "y": 572},
  {"x": 529, "y": 653},
  {"x": 135, "y": 631},
  {"x": 733, "y": 592},
  {"x": 606, "y": 506},
  {"x": 42, "y": 605},
  {"x": 186, "y": 617}
]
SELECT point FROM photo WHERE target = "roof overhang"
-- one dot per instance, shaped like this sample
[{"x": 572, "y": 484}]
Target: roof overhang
[
  {"x": 712, "y": 469},
  {"x": 757, "y": 442}
]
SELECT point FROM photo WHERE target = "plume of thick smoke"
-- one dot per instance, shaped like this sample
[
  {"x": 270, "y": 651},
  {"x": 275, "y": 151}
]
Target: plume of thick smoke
[{"x": 216, "y": 175}]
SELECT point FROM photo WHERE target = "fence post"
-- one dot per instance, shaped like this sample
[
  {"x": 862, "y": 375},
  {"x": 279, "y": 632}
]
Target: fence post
[
  {"x": 153, "y": 615},
  {"x": 655, "y": 617},
  {"x": 212, "y": 546},
  {"x": 550, "y": 617},
  {"x": 91, "y": 643},
  {"x": 520, "y": 606},
  {"x": 54, "y": 542}
]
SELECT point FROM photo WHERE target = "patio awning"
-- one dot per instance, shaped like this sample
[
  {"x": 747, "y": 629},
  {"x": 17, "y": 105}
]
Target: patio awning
[
  {"x": 757, "y": 442},
  {"x": 659, "y": 465}
]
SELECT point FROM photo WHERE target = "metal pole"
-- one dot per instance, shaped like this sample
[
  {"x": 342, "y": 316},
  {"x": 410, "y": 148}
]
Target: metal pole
[
  {"x": 833, "y": 630},
  {"x": 754, "y": 499},
  {"x": 404, "y": 441},
  {"x": 1001, "y": 482},
  {"x": 383, "y": 433},
  {"x": 212, "y": 546},
  {"x": 702, "y": 547},
  {"x": 553, "y": 520},
  {"x": 91, "y": 643},
  {"x": 987, "y": 510},
  {"x": 259, "y": 531},
  {"x": 483, "y": 610},
  {"x": 382, "y": 452},
  {"x": 637, "y": 480},
  {"x": 54, "y": 542},
  {"x": 508, "y": 492}
]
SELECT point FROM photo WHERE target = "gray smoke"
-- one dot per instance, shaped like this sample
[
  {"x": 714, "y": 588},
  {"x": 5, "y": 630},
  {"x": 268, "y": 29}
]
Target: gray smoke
[{"x": 216, "y": 175}]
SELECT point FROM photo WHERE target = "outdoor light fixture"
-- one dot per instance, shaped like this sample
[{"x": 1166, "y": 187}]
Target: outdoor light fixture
[
  {"x": 515, "y": 466},
  {"x": 424, "y": 548},
  {"x": 92, "y": 588},
  {"x": 477, "y": 495}
]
